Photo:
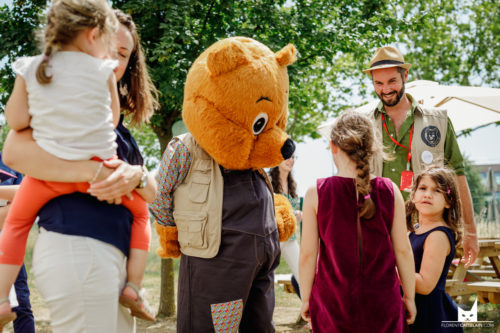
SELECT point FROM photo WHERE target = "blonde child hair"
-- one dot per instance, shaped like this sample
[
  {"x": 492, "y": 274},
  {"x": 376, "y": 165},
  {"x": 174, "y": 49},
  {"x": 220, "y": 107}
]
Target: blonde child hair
[
  {"x": 65, "y": 19},
  {"x": 445, "y": 180}
]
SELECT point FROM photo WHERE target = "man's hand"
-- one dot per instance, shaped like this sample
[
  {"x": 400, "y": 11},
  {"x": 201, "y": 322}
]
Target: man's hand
[{"x": 471, "y": 248}]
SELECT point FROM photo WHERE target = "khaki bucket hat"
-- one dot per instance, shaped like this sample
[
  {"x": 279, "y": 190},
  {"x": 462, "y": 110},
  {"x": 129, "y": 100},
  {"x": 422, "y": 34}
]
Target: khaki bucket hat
[{"x": 386, "y": 57}]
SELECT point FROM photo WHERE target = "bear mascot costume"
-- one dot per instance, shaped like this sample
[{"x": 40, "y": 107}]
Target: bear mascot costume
[{"x": 215, "y": 204}]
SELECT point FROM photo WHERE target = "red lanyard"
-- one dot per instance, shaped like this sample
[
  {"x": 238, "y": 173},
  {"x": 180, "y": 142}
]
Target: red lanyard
[{"x": 393, "y": 140}]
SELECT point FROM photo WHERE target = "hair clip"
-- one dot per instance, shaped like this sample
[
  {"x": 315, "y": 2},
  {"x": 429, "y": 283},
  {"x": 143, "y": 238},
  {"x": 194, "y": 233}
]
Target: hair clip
[
  {"x": 448, "y": 190},
  {"x": 366, "y": 197}
]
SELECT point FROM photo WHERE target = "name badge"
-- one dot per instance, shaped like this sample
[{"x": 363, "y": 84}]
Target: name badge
[{"x": 406, "y": 180}]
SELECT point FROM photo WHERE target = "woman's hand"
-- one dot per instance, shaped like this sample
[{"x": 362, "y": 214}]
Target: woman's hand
[
  {"x": 116, "y": 179},
  {"x": 298, "y": 215}
]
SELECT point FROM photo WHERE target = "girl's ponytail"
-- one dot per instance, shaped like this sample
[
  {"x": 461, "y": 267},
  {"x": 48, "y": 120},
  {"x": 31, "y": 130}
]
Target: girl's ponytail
[
  {"x": 65, "y": 19},
  {"x": 367, "y": 206},
  {"x": 41, "y": 72}
]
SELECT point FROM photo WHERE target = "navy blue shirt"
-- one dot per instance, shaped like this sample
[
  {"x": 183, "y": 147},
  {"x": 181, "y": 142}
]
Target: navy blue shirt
[{"x": 81, "y": 214}]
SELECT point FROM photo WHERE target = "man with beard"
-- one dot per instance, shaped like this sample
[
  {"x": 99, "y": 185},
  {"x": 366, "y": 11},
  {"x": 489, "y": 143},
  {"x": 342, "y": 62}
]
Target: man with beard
[{"x": 415, "y": 136}]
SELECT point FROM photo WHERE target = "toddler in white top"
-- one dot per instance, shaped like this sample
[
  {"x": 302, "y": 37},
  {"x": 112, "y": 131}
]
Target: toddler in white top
[{"x": 68, "y": 96}]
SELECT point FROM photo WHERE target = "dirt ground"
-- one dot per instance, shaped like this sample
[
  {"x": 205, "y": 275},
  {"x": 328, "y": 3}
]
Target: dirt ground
[
  {"x": 285, "y": 314},
  {"x": 286, "y": 311}
]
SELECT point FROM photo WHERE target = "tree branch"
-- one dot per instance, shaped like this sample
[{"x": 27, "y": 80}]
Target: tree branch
[{"x": 203, "y": 28}]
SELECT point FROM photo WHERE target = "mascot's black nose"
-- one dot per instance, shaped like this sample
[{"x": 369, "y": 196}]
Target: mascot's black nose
[{"x": 288, "y": 149}]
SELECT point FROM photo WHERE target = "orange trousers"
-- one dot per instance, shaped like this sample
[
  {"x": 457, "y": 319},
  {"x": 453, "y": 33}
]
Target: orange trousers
[{"x": 33, "y": 194}]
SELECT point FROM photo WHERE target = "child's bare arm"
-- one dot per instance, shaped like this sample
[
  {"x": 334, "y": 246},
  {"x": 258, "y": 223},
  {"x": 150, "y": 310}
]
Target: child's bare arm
[
  {"x": 17, "y": 108},
  {"x": 404, "y": 255},
  {"x": 115, "y": 101},
  {"x": 308, "y": 248},
  {"x": 436, "y": 248}
]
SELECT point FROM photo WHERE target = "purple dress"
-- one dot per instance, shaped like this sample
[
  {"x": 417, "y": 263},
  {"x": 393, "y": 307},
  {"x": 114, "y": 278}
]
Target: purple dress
[{"x": 356, "y": 288}]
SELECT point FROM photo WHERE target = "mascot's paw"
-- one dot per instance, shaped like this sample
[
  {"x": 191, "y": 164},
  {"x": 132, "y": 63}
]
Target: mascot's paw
[
  {"x": 169, "y": 245},
  {"x": 285, "y": 218}
]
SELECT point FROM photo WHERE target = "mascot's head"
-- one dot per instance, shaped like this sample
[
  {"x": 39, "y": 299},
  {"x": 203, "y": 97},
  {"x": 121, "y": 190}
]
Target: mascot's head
[{"x": 236, "y": 103}]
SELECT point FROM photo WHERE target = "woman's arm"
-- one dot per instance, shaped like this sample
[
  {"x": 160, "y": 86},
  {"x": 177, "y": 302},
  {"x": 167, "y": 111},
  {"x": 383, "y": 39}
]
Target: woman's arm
[
  {"x": 436, "y": 248},
  {"x": 308, "y": 249},
  {"x": 404, "y": 255},
  {"x": 17, "y": 109},
  {"x": 22, "y": 153},
  {"x": 123, "y": 180},
  {"x": 7, "y": 192}
]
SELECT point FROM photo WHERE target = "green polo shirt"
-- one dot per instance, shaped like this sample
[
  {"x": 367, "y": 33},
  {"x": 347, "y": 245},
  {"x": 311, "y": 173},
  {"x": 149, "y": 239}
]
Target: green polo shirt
[{"x": 392, "y": 169}]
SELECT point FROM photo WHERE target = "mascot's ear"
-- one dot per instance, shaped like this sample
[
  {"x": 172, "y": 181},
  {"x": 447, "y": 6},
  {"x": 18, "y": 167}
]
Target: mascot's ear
[
  {"x": 226, "y": 59},
  {"x": 287, "y": 55}
]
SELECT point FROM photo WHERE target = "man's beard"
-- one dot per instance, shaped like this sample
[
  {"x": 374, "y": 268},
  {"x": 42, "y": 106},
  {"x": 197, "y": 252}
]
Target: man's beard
[{"x": 399, "y": 94}]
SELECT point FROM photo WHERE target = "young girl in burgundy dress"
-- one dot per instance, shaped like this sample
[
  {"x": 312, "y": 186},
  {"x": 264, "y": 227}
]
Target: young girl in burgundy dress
[{"x": 353, "y": 239}]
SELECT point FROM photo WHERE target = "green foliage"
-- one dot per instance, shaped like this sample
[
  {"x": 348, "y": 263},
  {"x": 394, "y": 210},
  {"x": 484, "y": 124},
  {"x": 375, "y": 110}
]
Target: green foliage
[
  {"x": 148, "y": 144},
  {"x": 449, "y": 41},
  {"x": 18, "y": 24},
  {"x": 332, "y": 37},
  {"x": 475, "y": 185},
  {"x": 456, "y": 42}
]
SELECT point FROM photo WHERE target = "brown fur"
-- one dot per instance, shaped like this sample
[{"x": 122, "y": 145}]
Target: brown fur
[
  {"x": 223, "y": 95},
  {"x": 220, "y": 102},
  {"x": 285, "y": 218},
  {"x": 169, "y": 245}
]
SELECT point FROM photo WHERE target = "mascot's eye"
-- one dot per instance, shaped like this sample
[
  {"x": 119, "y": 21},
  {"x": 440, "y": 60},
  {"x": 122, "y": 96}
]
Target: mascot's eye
[{"x": 260, "y": 123}]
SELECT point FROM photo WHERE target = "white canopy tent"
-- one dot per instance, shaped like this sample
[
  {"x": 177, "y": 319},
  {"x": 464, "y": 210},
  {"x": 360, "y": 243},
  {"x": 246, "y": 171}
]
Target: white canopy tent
[{"x": 468, "y": 107}]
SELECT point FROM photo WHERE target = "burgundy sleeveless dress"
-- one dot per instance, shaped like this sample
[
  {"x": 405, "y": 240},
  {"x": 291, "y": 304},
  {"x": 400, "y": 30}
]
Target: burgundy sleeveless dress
[{"x": 356, "y": 288}]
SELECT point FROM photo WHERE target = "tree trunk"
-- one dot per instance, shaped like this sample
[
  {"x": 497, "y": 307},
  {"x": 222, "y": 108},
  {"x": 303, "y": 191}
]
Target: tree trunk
[
  {"x": 167, "y": 291},
  {"x": 167, "y": 294}
]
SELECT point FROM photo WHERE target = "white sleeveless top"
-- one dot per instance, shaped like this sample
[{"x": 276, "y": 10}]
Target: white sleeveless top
[{"x": 71, "y": 116}]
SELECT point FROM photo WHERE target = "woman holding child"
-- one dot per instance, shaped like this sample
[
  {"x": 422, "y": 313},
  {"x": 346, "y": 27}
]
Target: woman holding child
[{"x": 80, "y": 258}]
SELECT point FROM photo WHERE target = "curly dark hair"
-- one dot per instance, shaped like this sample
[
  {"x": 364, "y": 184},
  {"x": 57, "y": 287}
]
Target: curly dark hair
[
  {"x": 445, "y": 180},
  {"x": 275, "y": 181}
]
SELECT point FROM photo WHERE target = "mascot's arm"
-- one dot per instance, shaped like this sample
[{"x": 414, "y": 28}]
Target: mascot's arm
[
  {"x": 169, "y": 245},
  {"x": 174, "y": 167},
  {"x": 285, "y": 218}
]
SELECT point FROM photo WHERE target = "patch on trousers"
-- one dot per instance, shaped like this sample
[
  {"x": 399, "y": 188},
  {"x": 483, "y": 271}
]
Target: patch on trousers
[
  {"x": 431, "y": 136},
  {"x": 227, "y": 316}
]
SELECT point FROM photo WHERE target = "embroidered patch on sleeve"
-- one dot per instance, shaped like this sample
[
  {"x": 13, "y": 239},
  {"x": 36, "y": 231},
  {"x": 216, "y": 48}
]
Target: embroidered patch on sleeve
[{"x": 227, "y": 316}]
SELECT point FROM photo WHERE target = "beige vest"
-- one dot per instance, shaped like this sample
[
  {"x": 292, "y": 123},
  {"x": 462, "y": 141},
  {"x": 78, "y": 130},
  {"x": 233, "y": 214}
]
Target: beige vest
[
  {"x": 429, "y": 135},
  {"x": 198, "y": 204}
]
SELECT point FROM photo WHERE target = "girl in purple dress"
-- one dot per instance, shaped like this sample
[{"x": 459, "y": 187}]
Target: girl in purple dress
[
  {"x": 353, "y": 238},
  {"x": 435, "y": 203}
]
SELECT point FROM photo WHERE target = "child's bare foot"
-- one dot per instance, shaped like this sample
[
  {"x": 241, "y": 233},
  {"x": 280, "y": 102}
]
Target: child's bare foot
[
  {"x": 6, "y": 314},
  {"x": 133, "y": 298}
]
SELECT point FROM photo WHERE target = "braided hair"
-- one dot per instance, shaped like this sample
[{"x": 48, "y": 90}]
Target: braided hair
[
  {"x": 65, "y": 19},
  {"x": 353, "y": 133}
]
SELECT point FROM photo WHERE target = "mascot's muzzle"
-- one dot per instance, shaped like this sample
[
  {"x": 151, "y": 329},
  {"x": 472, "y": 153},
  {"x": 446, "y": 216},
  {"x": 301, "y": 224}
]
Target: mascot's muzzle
[{"x": 288, "y": 149}]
